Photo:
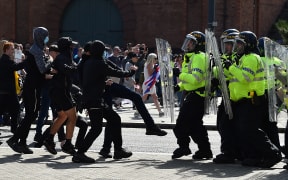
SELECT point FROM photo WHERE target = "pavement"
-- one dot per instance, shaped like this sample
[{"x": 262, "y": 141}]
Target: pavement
[{"x": 141, "y": 165}]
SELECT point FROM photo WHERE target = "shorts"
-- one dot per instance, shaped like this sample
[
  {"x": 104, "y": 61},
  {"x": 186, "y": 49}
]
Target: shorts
[{"x": 61, "y": 100}]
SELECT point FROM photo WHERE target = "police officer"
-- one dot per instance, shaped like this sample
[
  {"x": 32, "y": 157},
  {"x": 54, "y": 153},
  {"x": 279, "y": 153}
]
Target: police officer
[
  {"x": 225, "y": 126},
  {"x": 268, "y": 125},
  {"x": 247, "y": 88},
  {"x": 192, "y": 80}
]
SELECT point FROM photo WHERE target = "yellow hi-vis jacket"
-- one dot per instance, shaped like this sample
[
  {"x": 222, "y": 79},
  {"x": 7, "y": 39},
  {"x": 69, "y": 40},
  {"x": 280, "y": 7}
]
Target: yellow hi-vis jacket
[
  {"x": 193, "y": 73},
  {"x": 248, "y": 77}
]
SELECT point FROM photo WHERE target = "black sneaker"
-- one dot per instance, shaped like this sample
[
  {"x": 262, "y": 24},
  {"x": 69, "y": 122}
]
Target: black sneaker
[
  {"x": 38, "y": 137},
  {"x": 14, "y": 145},
  {"x": 155, "y": 131},
  {"x": 68, "y": 148},
  {"x": 50, "y": 146},
  {"x": 122, "y": 153},
  {"x": 224, "y": 159},
  {"x": 200, "y": 155},
  {"x": 25, "y": 149},
  {"x": 105, "y": 153},
  {"x": 1, "y": 142},
  {"x": 82, "y": 158},
  {"x": 179, "y": 152}
]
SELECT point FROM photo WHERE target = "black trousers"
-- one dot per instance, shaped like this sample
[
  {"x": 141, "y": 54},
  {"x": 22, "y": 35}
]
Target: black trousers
[
  {"x": 190, "y": 123},
  {"x": 253, "y": 141},
  {"x": 226, "y": 128},
  {"x": 31, "y": 98},
  {"x": 9, "y": 103},
  {"x": 117, "y": 90},
  {"x": 270, "y": 128},
  {"x": 96, "y": 116}
]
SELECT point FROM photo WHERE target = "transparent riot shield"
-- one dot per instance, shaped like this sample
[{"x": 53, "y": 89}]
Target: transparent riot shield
[
  {"x": 212, "y": 52},
  {"x": 164, "y": 52},
  {"x": 275, "y": 53},
  {"x": 209, "y": 106}
]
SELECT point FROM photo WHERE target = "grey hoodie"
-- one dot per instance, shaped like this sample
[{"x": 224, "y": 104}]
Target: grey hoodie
[{"x": 39, "y": 34}]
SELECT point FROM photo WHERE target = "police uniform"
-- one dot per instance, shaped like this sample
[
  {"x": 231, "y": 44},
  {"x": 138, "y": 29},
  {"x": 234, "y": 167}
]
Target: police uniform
[
  {"x": 189, "y": 121},
  {"x": 247, "y": 88}
]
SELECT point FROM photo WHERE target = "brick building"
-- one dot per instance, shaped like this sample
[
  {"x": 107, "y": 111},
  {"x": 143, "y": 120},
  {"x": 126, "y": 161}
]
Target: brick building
[{"x": 138, "y": 20}]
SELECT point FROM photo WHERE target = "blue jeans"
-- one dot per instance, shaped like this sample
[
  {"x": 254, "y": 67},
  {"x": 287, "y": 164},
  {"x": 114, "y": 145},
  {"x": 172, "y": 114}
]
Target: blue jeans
[{"x": 44, "y": 108}]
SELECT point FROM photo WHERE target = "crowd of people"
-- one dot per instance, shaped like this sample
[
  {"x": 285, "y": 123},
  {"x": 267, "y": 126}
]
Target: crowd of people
[{"x": 96, "y": 78}]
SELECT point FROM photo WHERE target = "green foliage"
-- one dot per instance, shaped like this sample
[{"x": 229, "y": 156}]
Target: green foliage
[{"x": 282, "y": 26}]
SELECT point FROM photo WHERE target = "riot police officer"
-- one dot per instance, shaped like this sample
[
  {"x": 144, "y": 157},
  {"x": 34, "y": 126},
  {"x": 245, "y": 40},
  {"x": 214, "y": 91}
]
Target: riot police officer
[
  {"x": 268, "y": 125},
  {"x": 225, "y": 126},
  {"x": 247, "y": 88},
  {"x": 192, "y": 80}
]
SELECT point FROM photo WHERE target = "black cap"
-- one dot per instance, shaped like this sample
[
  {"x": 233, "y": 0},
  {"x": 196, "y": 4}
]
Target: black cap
[
  {"x": 87, "y": 46},
  {"x": 97, "y": 48},
  {"x": 65, "y": 42},
  {"x": 54, "y": 47}
]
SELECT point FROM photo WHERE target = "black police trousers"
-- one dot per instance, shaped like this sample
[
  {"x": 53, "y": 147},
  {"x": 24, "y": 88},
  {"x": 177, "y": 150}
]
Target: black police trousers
[
  {"x": 226, "y": 128},
  {"x": 253, "y": 142},
  {"x": 190, "y": 123}
]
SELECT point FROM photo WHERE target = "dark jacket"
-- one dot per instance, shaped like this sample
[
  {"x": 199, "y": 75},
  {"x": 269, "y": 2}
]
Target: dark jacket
[
  {"x": 33, "y": 77},
  {"x": 7, "y": 77},
  {"x": 95, "y": 72},
  {"x": 63, "y": 64}
]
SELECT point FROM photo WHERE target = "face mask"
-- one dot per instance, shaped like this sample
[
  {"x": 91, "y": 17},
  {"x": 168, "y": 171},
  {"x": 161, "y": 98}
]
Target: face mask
[
  {"x": 46, "y": 40},
  {"x": 105, "y": 55}
]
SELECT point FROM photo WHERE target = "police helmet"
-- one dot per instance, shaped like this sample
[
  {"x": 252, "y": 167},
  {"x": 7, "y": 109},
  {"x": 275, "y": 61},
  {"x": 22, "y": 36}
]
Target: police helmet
[
  {"x": 249, "y": 39},
  {"x": 187, "y": 39},
  {"x": 231, "y": 37},
  {"x": 228, "y": 31},
  {"x": 200, "y": 37},
  {"x": 224, "y": 35},
  {"x": 261, "y": 45}
]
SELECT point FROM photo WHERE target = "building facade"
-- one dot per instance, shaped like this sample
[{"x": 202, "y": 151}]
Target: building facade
[{"x": 133, "y": 21}]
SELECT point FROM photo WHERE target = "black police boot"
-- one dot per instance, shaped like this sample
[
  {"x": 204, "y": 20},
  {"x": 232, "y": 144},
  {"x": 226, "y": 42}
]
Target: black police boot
[
  {"x": 179, "y": 152},
  {"x": 201, "y": 154},
  {"x": 268, "y": 162},
  {"x": 223, "y": 159}
]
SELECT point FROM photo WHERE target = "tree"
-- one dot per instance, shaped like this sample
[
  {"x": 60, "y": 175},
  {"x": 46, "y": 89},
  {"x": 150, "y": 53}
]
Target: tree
[{"x": 282, "y": 27}]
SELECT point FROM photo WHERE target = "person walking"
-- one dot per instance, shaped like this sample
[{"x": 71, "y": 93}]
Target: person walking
[
  {"x": 36, "y": 68},
  {"x": 93, "y": 85}
]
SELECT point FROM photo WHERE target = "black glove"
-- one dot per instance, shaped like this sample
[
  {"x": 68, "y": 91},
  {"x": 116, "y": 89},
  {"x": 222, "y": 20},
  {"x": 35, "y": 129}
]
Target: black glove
[
  {"x": 176, "y": 88},
  {"x": 176, "y": 72},
  {"x": 226, "y": 64},
  {"x": 215, "y": 82}
]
